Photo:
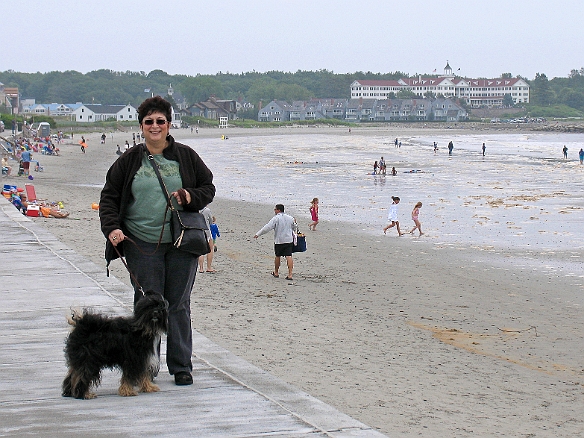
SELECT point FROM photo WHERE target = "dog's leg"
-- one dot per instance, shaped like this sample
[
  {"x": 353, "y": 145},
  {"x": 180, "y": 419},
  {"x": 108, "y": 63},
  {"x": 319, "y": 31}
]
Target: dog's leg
[
  {"x": 126, "y": 388},
  {"x": 146, "y": 384},
  {"x": 67, "y": 387},
  {"x": 80, "y": 386},
  {"x": 154, "y": 364}
]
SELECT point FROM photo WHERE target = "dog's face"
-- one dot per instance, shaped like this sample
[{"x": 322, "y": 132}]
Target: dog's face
[{"x": 151, "y": 313}]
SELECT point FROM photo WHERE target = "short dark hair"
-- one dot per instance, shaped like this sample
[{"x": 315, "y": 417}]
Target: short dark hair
[
  {"x": 153, "y": 105},
  {"x": 280, "y": 207}
]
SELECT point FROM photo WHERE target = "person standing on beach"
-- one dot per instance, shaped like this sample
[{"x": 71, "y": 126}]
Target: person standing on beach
[
  {"x": 435, "y": 147},
  {"x": 565, "y": 151},
  {"x": 283, "y": 226},
  {"x": 214, "y": 233},
  {"x": 375, "y": 168},
  {"x": 313, "y": 214},
  {"x": 450, "y": 147},
  {"x": 581, "y": 155},
  {"x": 82, "y": 144},
  {"x": 209, "y": 219},
  {"x": 392, "y": 217},
  {"x": 484, "y": 149},
  {"x": 134, "y": 219},
  {"x": 415, "y": 218},
  {"x": 26, "y": 158},
  {"x": 381, "y": 166}
]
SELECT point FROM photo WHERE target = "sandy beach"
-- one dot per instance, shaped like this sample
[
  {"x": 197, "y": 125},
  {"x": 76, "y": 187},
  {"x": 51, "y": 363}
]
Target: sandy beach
[{"x": 407, "y": 335}]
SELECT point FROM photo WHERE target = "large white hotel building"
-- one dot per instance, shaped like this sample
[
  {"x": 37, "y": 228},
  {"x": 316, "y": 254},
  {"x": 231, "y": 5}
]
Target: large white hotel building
[{"x": 476, "y": 92}]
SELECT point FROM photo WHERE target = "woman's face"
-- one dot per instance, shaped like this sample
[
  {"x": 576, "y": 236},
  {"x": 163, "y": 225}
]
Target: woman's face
[{"x": 153, "y": 131}]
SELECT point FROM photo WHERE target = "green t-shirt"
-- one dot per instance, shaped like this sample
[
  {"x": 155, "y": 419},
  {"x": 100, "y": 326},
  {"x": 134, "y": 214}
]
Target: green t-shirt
[{"x": 145, "y": 213}]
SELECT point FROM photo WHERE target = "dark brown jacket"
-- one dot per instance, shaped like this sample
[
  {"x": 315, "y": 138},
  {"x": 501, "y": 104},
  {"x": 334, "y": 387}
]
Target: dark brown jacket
[{"x": 116, "y": 194}]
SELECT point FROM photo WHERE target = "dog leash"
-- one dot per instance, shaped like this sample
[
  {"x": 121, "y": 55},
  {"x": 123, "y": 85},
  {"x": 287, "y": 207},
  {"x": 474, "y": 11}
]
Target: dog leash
[{"x": 134, "y": 279}]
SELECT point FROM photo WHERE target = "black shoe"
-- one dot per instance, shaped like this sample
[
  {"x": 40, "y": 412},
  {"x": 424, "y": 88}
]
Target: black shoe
[{"x": 183, "y": 378}]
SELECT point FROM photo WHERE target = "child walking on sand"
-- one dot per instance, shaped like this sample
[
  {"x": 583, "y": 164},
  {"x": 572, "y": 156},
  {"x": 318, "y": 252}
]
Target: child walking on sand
[
  {"x": 214, "y": 233},
  {"x": 392, "y": 217},
  {"x": 313, "y": 214},
  {"x": 415, "y": 215}
]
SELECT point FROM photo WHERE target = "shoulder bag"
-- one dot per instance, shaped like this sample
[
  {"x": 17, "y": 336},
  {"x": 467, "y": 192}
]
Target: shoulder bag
[
  {"x": 299, "y": 244},
  {"x": 187, "y": 227}
]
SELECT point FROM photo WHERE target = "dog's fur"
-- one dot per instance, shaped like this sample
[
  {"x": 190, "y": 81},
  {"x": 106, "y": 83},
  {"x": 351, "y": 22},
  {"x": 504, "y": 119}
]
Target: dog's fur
[{"x": 128, "y": 343}]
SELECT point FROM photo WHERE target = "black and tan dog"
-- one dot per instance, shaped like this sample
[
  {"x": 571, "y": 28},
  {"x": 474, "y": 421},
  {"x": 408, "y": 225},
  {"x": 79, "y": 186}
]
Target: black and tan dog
[{"x": 128, "y": 343}]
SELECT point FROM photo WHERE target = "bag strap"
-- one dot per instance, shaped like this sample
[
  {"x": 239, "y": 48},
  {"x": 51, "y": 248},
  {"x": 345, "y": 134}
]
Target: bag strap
[
  {"x": 154, "y": 164},
  {"x": 169, "y": 205}
]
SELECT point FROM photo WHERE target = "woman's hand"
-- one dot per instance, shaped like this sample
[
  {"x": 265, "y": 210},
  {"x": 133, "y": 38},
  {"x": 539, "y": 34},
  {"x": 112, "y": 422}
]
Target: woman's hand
[
  {"x": 116, "y": 236},
  {"x": 182, "y": 197}
]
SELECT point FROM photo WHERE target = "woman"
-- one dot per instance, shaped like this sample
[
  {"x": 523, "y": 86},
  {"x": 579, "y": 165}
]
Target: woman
[
  {"x": 415, "y": 218},
  {"x": 133, "y": 205},
  {"x": 313, "y": 214},
  {"x": 392, "y": 217}
]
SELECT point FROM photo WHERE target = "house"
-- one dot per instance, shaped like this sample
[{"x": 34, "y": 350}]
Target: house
[
  {"x": 244, "y": 105},
  {"x": 214, "y": 109},
  {"x": 229, "y": 106},
  {"x": 360, "y": 110},
  {"x": 491, "y": 92},
  {"x": 446, "y": 110},
  {"x": 275, "y": 111},
  {"x": 207, "y": 110},
  {"x": 404, "y": 109},
  {"x": 310, "y": 110},
  {"x": 36, "y": 109},
  {"x": 475, "y": 92},
  {"x": 365, "y": 110},
  {"x": 333, "y": 108},
  {"x": 52, "y": 109},
  {"x": 10, "y": 98},
  {"x": 441, "y": 109},
  {"x": 375, "y": 89},
  {"x": 98, "y": 113}
]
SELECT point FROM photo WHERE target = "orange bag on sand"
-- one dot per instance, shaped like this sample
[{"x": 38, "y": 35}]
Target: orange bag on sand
[{"x": 45, "y": 211}]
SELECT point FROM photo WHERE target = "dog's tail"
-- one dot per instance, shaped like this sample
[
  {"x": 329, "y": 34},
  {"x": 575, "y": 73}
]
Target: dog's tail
[{"x": 74, "y": 316}]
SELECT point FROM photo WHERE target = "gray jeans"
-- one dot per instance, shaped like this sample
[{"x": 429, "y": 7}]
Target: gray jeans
[{"x": 170, "y": 272}]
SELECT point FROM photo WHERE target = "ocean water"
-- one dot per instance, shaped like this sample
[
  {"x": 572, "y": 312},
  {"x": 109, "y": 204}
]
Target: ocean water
[{"x": 522, "y": 196}]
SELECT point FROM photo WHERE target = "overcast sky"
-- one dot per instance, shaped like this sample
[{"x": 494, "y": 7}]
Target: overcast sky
[{"x": 481, "y": 38}]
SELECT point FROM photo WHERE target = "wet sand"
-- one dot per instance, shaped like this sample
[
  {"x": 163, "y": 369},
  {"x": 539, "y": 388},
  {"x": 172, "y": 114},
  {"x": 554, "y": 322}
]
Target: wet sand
[{"x": 410, "y": 337}]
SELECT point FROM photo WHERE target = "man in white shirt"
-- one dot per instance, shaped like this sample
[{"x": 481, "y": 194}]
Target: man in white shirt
[{"x": 283, "y": 226}]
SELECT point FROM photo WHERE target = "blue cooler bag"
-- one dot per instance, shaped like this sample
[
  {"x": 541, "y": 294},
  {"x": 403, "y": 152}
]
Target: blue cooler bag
[{"x": 300, "y": 244}]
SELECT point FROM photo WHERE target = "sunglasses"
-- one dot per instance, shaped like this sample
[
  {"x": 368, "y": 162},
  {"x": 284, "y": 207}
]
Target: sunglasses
[{"x": 159, "y": 122}]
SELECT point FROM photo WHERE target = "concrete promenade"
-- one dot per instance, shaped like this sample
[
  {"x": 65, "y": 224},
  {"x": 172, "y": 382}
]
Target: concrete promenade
[{"x": 41, "y": 279}]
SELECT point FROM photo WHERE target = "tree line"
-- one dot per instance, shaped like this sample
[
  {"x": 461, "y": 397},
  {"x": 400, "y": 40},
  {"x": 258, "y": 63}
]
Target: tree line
[{"x": 112, "y": 87}]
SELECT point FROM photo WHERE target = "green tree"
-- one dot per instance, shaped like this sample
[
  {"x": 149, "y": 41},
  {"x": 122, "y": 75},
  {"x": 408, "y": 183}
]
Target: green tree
[
  {"x": 200, "y": 88},
  {"x": 574, "y": 99},
  {"x": 406, "y": 94},
  {"x": 541, "y": 93},
  {"x": 507, "y": 100},
  {"x": 170, "y": 100}
]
